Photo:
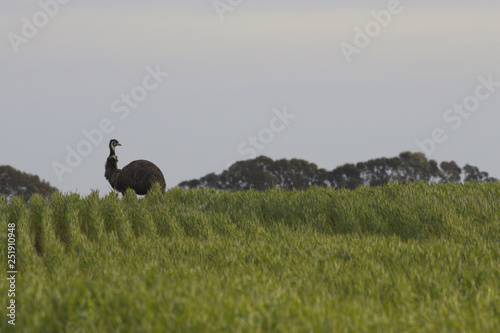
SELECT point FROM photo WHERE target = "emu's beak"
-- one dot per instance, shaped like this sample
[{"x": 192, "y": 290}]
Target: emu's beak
[{"x": 118, "y": 144}]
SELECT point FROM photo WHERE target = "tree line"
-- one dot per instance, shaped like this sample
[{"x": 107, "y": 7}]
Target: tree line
[
  {"x": 15, "y": 182},
  {"x": 264, "y": 173}
]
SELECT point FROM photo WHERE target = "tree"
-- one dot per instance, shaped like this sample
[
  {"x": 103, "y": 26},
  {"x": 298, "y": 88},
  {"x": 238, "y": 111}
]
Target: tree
[
  {"x": 347, "y": 176},
  {"x": 472, "y": 173},
  {"x": 450, "y": 172},
  {"x": 14, "y": 182}
]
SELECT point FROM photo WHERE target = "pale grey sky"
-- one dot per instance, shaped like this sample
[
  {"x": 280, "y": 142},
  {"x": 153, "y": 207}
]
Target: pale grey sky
[{"x": 248, "y": 77}]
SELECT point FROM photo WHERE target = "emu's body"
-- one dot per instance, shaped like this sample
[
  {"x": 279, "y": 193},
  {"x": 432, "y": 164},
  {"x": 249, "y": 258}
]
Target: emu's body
[{"x": 138, "y": 175}]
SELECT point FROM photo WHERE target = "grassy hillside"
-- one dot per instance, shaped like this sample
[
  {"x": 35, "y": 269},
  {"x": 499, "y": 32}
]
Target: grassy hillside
[{"x": 395, "y": 258}]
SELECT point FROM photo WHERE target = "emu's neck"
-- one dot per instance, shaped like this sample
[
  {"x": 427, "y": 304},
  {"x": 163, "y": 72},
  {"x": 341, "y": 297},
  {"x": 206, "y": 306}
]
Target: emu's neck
[{"x": 111, "y": 168}]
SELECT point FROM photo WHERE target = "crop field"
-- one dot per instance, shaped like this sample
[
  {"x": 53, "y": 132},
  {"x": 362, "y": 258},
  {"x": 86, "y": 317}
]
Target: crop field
[{"x": 396, "y": 258}]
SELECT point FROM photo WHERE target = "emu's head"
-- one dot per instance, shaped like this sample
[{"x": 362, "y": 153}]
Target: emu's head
[{"x": 112, "y": 145}]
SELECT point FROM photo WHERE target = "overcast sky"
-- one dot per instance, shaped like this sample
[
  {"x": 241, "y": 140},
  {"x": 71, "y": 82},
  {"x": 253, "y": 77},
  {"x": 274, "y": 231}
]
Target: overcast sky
[{"x": 195, "y": 85}]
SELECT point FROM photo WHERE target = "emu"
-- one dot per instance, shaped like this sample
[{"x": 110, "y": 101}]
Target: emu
[{"x": 138, "y": 175}]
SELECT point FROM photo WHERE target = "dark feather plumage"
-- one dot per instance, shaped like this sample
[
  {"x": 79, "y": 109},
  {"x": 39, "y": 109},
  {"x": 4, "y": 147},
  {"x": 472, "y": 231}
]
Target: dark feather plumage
[{"x": 138, "y": 175}]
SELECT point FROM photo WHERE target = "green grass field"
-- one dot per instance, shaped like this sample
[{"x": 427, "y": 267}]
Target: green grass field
[{"x": 397, "y": 258}]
